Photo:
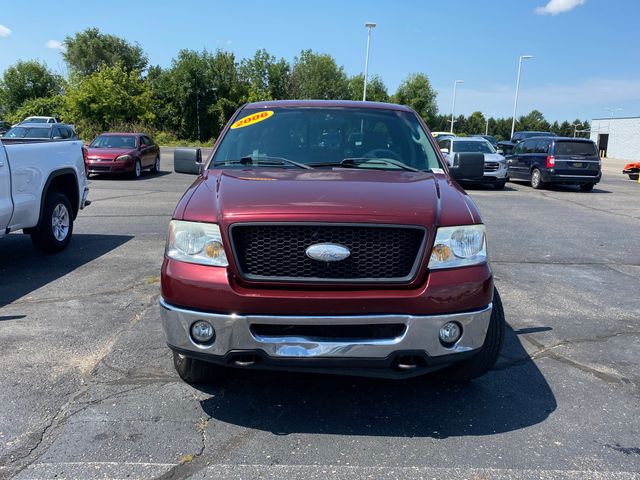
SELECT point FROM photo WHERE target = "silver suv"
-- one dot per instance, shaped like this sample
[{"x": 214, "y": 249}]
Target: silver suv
[{"x": 495, "y": 165}]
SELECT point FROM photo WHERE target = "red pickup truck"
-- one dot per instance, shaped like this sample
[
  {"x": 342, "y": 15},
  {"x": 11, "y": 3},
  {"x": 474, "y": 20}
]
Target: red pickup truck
[{"x": 329, "y": 236}]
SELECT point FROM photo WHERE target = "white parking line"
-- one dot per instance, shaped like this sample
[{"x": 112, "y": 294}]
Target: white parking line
[{"x": 129, "y": 471}]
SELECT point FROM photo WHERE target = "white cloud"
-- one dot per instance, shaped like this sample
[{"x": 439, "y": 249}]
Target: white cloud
[
  {"x": 4, "y": 31},
  {"x": 54, "y": 44},
  {"x": 555, "y": 7}
]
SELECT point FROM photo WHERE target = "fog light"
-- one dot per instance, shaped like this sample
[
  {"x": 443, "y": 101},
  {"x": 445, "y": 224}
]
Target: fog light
[
  {"x": 202, "y": 332},
  {"x": 450, "y": 332}
]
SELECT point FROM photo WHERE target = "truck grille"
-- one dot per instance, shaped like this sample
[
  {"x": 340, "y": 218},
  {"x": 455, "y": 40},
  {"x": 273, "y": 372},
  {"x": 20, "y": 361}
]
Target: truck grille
[
  {"x": 277, "y": 252},
  {"x": 491, "y": 166}
]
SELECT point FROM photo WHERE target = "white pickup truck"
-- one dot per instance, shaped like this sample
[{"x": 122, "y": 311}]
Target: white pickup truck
[{"x": 43, "y": 186}]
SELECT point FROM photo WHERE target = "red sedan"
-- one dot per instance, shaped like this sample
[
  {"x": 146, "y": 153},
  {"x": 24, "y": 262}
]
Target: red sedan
[{"x": 123, "y": 153}]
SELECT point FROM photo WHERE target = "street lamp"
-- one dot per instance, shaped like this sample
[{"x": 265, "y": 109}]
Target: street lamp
[
  {"x": 515, "y": 102},
  {"x": 453, "y": 106},
  {"x": 613, "y": 110},
  {"x": 575, "y": 128},
  {"x": 369, "y": 25},
  {"x": 486, "y": 127}
]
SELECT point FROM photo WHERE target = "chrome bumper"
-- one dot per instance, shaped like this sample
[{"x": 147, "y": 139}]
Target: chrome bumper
[{"x": 233, "y": 333}]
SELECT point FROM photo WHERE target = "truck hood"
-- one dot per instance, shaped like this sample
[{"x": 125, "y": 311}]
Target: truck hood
[{"x": 338, "y": 195}]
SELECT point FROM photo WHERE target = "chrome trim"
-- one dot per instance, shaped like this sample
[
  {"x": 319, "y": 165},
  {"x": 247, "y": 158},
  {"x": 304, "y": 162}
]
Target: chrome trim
[{"x": 233, "y": 333}]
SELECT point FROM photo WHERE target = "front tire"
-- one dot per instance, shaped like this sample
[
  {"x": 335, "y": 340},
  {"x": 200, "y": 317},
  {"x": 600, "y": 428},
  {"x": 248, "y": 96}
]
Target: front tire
[
  {"x": 536, "y": 179},
  {"x": 137, "y": 170},
  {"x": 156, "y": 165},
  {"x": 587, "y": 187},
  {"x": 54, "y": 231},
  {"x": 486, "y": 358},
  {"x": 192, "y": 370},
  {"x": 633, "y": 176},
  {"x": 499, "y": 185}
]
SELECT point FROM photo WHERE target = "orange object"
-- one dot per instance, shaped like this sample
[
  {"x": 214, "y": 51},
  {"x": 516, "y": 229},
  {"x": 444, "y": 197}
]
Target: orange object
[{"x": 632, "y": 169}]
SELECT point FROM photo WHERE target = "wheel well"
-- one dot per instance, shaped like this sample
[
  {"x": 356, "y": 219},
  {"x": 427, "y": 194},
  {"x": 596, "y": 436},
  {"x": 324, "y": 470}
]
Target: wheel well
[{"x": 67, "y": 184}]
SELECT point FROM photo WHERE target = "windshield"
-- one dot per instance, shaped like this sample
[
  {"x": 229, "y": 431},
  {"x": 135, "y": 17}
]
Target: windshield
[
  {"x": 474, "y": 147},
  {"x": 114, "y": 141},
  {"x": 328, "y": 136},
  {"x": 22, "y": 132},
  {"x": 575, "y": 148}
]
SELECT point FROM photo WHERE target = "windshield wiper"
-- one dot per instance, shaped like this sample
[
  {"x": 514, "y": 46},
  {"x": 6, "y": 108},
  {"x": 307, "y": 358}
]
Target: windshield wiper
[
  {"x": 264, "y": 160},
  {"x": 355, "y": 161}
]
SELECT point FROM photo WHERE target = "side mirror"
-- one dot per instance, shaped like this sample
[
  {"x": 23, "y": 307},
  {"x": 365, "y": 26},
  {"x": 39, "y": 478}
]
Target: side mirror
[
  {"x": 444, "y": 150},
  {"x": 467, "y": 166},
  {"x": 500, "y": 151},
  {"x": 188, "y": 160}
]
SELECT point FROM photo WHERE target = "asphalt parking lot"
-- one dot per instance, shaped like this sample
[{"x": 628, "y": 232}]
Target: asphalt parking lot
[{"x": 88, "y": 388}]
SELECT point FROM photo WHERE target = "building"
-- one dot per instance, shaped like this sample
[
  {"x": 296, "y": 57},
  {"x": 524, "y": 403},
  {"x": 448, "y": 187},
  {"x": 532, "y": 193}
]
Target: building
[{"x": 617, "y": 137}]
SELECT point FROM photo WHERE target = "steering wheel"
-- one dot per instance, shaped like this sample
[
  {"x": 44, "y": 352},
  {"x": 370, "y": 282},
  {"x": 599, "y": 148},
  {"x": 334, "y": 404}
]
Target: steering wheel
[{"x": 382, "y": 153}]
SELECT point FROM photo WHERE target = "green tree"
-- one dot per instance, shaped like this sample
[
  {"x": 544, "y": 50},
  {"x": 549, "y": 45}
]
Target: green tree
[
  {"x": 416, "y": 92},
  {"x": 27, "y": 80},
  {"x": 318, "y": 76},
  {"x": 199, "y": 93},
  {"x": 533, "y": 121},
  {"x": 376, "y": 89},
  {"x": 264, "y": 77},
  {"x": 566, "y": 130},
  {"x": 475, "y": 124},
  {"x": 87, "y": 51},
  {"x": 110, "y": 96}
]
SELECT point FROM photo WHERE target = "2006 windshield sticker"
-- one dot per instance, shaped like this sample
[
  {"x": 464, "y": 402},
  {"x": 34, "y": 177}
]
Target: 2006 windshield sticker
[{"x": 252, "y": 119}]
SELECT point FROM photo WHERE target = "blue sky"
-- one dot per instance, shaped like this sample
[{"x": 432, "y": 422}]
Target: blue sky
[{"x": 585, "y": 58}]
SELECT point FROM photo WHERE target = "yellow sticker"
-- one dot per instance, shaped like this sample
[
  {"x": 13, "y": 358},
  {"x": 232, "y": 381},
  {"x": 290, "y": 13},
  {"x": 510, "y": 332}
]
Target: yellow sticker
[{"x": 251, "y": 119}]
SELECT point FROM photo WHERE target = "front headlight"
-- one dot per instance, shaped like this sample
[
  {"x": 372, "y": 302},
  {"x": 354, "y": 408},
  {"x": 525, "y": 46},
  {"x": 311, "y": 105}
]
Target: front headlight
[
  {"x": 459, "y": 247},
  {"x": 123, "y": 158},
  {"x": 195, "y": 242}
]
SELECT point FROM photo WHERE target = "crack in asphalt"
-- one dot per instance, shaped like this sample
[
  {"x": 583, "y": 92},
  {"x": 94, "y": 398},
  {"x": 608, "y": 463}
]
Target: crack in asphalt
[
  {"x": 547, "y": 351},
  {"x": 63, "y": 414},
  {"x": 571, "y": 264},
  {"x": 63, "y": 298},
  {"x": 588, "y": 207},
  {"x": 190, "y": 464}
]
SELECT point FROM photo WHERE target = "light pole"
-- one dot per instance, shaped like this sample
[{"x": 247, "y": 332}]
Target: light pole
[
  {"x": 515, "y": 101},
  {"x": 575, "y": 128},
  {"x": 612, "y": 111},
  {"x": 453, "y": 105},
  {"x": 486, "y": 127},
  {"x": 369, "y": 26}
]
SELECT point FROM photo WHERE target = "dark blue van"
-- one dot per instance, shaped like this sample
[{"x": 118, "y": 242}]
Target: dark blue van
[{"x": 544, "y": 160}]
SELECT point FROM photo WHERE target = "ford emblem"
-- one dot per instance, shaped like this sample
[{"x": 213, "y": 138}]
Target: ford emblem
[{"x": 327, "y": 252}]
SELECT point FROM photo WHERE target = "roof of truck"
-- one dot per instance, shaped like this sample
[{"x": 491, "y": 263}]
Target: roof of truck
[{"x": 327, "y": 103}]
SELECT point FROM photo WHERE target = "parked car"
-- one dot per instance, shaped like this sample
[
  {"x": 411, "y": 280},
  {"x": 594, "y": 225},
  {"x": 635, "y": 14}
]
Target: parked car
[
  {"x": 489, "y": 138},
  {"x": 438, "y": 135},
  {"x": 520, "y": 136},
  {"x": 123, "y": 153},
  {"x": 632, "y": 169},
  {"x": 505, "y": 147},
  {"x": 39, "y": 120},
  {"x": 544, "y": 160},
  {"x": 4, "y": 127},
  {"x": 495, "y": 165},
  {"x": 43, "y": 186},
  {"x": 42, "y": 131},
  {"x": 359, "y": 257}
]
